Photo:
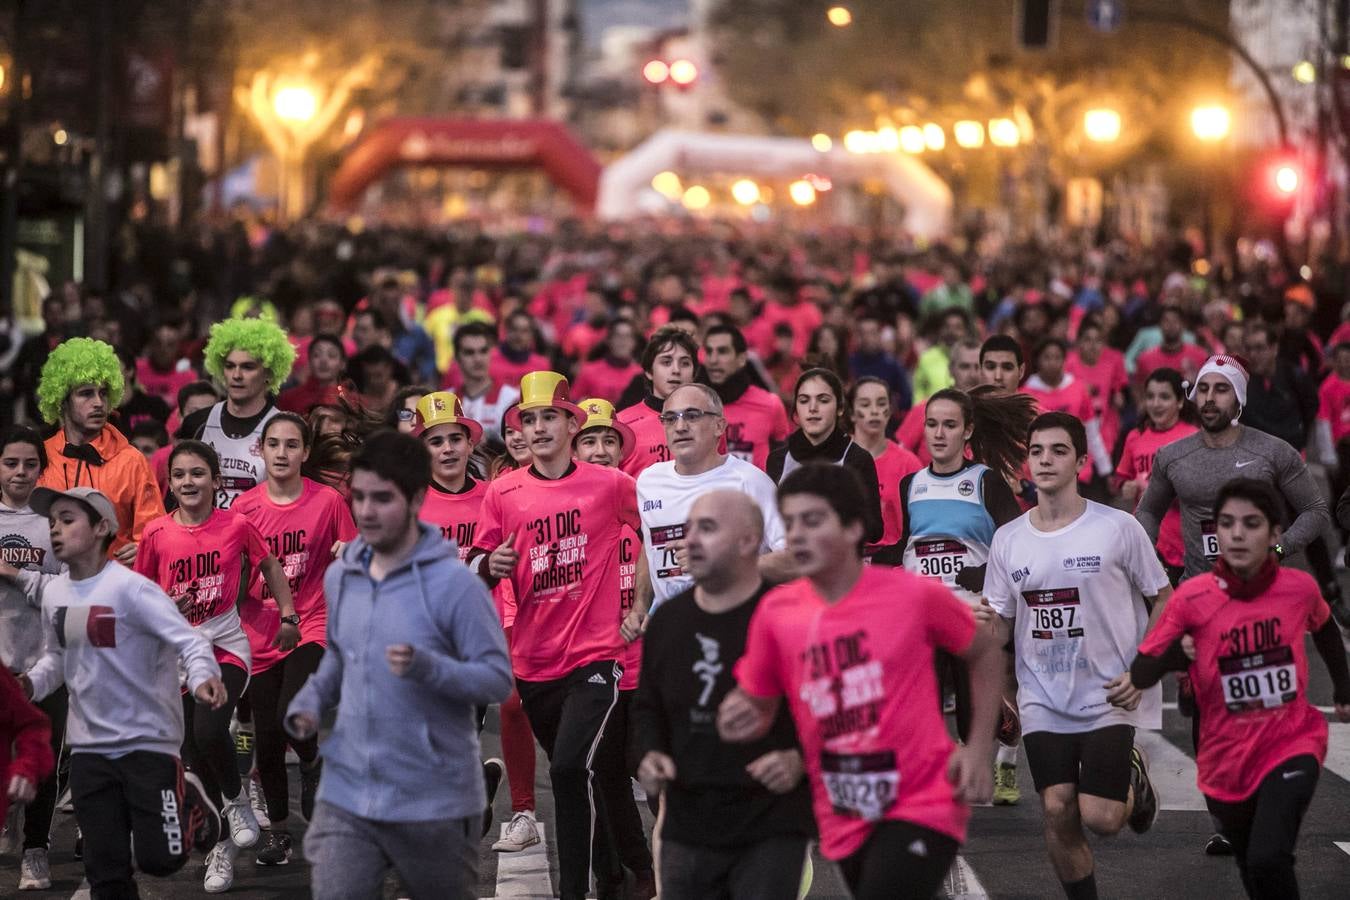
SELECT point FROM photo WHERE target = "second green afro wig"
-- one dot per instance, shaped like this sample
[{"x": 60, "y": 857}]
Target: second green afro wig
[
  {"x": 260, "y": 339},
  {"x": 73, "y": 363}
]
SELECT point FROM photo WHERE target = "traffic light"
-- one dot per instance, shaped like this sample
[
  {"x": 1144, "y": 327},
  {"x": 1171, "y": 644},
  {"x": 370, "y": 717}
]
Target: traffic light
[{"x": 1036, "y": 23}]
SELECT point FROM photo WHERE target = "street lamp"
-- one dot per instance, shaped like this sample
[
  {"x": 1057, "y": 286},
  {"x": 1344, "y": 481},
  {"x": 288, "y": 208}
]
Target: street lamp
[
  {"x": 934, "y": 138},
  {"x": 667, "y": 184},
  {"x": 802, "y": 192},
  {"x": 295, "y": 104},
  {"x": 1101, "y": 126},
  {"x": 839, "y": 16},
  {"x": 696, "y": 198},
  {"x": 969, "y": 134},
  {"x": 912, "y": 140},
  {"x": 1211, "y": 124},
  {"x": 1004, "y": 133},
  {"x": 745, "y": 192},
  {"x": 821, "y": 142}
]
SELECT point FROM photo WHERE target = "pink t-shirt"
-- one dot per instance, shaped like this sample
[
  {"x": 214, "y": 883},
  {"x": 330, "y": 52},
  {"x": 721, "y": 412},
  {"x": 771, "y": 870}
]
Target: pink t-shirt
[
  {"x": 755, "y": 421},
  {"x": 502, "y": 371},
  {"x": 1072, "y": 398},
  {"x": 649, "y": 439},
  {"x": 1250, "y": 676},
  {"x": 910, "y": 433},
  {"x": 629, "y": 550},
  {"x": 301, "y": 535},
  {"x": 1103, "y": 381},
  {"x": 1333, "y": 405},
  {"x": 859, "y": 680},
  {"x": 568, "y": 533},
  {"x": 601, "y": 378},
  {"x": 892, "y": 466},
  {"x": 1136, "y": 462},
  {"x": 803, "y": 318},
  {"x": 1187, "y": 361},
  {"x": 456, "y": 515},
  {"x": 164, "y": 385}
]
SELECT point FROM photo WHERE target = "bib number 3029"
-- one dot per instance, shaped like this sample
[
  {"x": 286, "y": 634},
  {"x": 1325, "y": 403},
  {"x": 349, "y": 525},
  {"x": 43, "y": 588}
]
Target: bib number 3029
[{"x": 860, "y": 785}]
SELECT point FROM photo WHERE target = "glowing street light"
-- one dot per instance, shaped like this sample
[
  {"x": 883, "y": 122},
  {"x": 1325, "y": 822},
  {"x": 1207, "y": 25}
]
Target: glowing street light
[
  {"x": 1286, "y": 178},
  {"x": 683, "y": 72},
  {"x": 839, "y": 16},
  {"x": 295, "y": 103},
  {"x": 745, "y": 192},
  {"x": 656, "y": 71},
  {"x": 1004, "y": 133},
  {"x": 888, "y": 139},
  {"x": 857, "y": 141},
  {"x": 934, "y": 138},
  {"x": 696, "y": 197},
  {"x": 1211, "y": 124},
  {"x": 969, "y": 134},
  {"x": 802, "y": 192},
  {"x": 1101, "y": 126},
  {"x": 821, "y": 142},
  {"x": 667, "y": 184},
  {"x": 911, "y": 139}
]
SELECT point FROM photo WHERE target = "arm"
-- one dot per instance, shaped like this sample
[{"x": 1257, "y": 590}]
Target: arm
[
  {"x": 777, "y": 567},
  {"x": 969, "y": 768},
  {"x": 155, "y": 613},
  {"x": 482, "y": 674},
  {"x": 1147, "y": 670},
  {"x": 1097, "y": 449},
  {"x": 1305, "y": 497},
  {"x": 321, "y": 692},
  {"x": 1156, "y": 500},
  {"x": 147, "y": 504},
  {"x": 32, "y": 735},
  {"x": 867, "y": 471},
  {"x": 49, "y": 672},
  {"x": 1327, "y": 640}
]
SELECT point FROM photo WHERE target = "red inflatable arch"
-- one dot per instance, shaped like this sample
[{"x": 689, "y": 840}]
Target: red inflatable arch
[{"x": 496, "y": 143}]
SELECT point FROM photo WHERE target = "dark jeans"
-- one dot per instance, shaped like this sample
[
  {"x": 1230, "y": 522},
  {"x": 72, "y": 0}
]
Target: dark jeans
[
  {"x": 37, "y": 817},
  {"x": 208, "y": 749},
  {"x": 770, "y": 869},
  {"x": 1263, "y": 829},
  {"x": 887, "y": 867},
  {"x": 269, "y": 694},
  {"x": 136, "y": 801},
  {"x": 570, "y": 717}
]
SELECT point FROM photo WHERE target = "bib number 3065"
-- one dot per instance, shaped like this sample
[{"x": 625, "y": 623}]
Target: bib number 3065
[{"x": 861, "y": 785}]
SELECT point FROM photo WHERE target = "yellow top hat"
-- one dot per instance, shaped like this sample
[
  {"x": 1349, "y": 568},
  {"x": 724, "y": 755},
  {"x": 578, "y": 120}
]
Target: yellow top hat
[
  {"x": 601, "y": 414},
  {"x": 542, "y": 390},
  {"x": 444, "y": 408}
]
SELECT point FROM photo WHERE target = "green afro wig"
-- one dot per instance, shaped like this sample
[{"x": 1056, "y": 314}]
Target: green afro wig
[
  {"x": 73, "y": 363},
  {"x": 260, "y": 339}
]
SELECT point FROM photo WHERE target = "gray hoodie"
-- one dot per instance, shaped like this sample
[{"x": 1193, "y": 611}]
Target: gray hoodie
[
  {"x": 26, "y": 544},
  {"x": 405, "y": 749}
]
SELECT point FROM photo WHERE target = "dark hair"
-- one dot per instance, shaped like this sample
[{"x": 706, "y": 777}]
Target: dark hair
[
  {"x": 1339, "y": 346},
  {"x": 867, "y": 379},
  {"x": 152, "y": 429},
  {"x": 516, "y": 314},
  {"x": 838, "y": 486},
  {"x": 376, "y": 317},
  {"x": 473, "y": 329},
  {"x": 667, "y": 337},
  {"x": 306, "y": 433},
  {"x": 23, "y": 434},
  {"x": 1266, "y": 329},
  {"x": 738, "y": 343},
  {"x": 999, "y": 421},
  {"x": 199, "y": 449},
  {"x": 681, "y": 313},
  {"x": 825, "y": 375},
  {"x": 401, "y": 399},
  {"x": 127, "y": 359},
  {"x": 1257, "y": 493},
  {"x": 838, "y": 363},
  {"x": 1001, "y": 343},
  {"x": 1046, "y": 344},
  {"x": 1091, "y": 321},
  {"x": 1172, "y": 378},
  {"x": 324, "y": 338},
  {"x": 196, "y": 389},
  {"x": 1071, "y": 424},
  {"x": 397, "y": 457}
]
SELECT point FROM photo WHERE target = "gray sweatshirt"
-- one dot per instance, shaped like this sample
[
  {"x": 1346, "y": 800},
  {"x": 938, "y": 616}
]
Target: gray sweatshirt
[
  {"x": 26, "y": 544},
  {"x": 116, "y": 641},
  {"x": 1192, "y": 473}
]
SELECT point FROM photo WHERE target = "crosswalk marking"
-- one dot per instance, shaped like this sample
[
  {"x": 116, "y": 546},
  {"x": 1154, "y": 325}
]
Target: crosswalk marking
[
  {"x": 1338, "y": 750},
  {"x": 962, "y": 882},
  {"x": 525, "y": 873},
  {"x": 1171, "y": 771}
]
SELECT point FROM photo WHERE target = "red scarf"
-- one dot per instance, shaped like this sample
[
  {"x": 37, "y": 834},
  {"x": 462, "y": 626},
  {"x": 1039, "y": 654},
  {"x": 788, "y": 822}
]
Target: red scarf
[{"x": 1245, "y": 589}]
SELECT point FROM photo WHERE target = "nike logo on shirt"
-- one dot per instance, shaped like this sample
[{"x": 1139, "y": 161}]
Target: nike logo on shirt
[{"x": 1244, "y": 463}]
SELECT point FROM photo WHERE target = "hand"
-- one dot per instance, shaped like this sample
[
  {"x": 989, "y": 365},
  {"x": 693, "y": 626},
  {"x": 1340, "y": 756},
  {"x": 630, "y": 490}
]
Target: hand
[
  {"x": 1343, "y": 712},
  {"x": 655, "y": 772},
  {"x": 288, "y": 636},
  {"x": 337, "y": 548},
  {"x": 302, "y": 726},
  {"x": 21, "y": 790},
  {"x": 984, "y": 613},
  {"x": 738, "y": 718},
  {"x": 502, "y": 561},
  {"x": 1130, "y": 490},
  {"x": 400, "y": 657},
  {"x": 971, "y": 771},
  {"x": 681, "y": 550},
  {"x": 212, "y": 693},
  {"x": 127, "y": 555},
  {"x": 777, "y": 770},
  {"x": 1188, "y": 646},
  {"x": 634, "y": 625},
  {"x": 1120, "y": 691}
]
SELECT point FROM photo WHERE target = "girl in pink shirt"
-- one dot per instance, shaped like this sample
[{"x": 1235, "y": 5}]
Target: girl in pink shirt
[
  {"x": 204, "y": 558},
  {"x": 870, "y": 411}
]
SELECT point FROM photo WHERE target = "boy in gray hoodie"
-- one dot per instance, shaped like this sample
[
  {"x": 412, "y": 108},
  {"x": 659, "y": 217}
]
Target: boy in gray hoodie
[{"x": 414, "y": 645}]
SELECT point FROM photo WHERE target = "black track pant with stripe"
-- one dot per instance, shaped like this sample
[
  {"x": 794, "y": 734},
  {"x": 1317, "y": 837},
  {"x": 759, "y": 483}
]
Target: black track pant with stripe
[
  {"x": 136, "y": 799},
  {"x": 569, "y": 717}
]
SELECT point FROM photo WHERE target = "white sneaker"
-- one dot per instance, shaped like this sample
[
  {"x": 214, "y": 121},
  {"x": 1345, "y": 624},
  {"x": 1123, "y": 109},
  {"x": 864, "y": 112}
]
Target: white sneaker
[
  {"x": 244, "y": 830},
  {"x": 522, "y": 832},
  {"x": 258, "y": 801},
  {"x": 34, "y": 872},
  {"x": 220, "y": 868}
]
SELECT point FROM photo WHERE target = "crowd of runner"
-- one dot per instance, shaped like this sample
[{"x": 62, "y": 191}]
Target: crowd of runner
[{"x": 724, "y": 521}]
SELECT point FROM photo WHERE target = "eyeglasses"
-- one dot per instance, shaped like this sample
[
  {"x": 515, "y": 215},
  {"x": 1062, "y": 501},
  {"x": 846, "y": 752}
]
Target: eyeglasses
[
  {"x": 406, "y": 415},
  {"x": 689, "y": 415}
]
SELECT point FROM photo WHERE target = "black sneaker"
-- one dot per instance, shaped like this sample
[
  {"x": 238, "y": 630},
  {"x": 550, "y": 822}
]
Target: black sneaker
[
  {"x": 274, "y": 849},
  {"x": 1340, "y": 609},
  {"x": 199, "y": 814},
  {"x": 493, "y": 770},
  {"x": 309, "y": 787},
  {"x": 1145, "y": 811},
  {"x": 1218, "y": 845}
]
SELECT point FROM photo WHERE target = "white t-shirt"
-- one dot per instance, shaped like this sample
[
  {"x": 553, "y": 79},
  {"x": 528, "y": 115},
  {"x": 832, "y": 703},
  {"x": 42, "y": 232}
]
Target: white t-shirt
[
  {"x": 665, "y": 498},
  {"x": 1076, "y": 597}
]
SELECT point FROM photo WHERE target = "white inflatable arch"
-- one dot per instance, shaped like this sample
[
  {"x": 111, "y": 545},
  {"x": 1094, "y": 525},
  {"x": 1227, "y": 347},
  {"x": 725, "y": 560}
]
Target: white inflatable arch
[{"x": 925, "y": 197}]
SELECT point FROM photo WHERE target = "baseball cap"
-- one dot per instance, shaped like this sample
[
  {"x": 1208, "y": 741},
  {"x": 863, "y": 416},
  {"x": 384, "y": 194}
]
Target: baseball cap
[{"x": 95, "y": 501}]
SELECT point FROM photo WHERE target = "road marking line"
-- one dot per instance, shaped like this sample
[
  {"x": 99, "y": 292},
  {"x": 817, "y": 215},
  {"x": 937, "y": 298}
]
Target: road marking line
[
  {"x": 1172, "y": 773},
  {"x": 962, "y": 883},
  {"x": 1325, "y": 710},
  {"x": 1338, "y": 750},
  {"x": 525, "y": 873}
]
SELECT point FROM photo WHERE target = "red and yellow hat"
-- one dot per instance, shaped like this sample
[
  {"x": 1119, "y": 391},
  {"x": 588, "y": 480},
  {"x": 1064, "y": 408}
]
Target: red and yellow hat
[
  {"x": 601, "y": 414},
  {"x": 444, "y": 408},
  {"x": 542, "y": 390}
]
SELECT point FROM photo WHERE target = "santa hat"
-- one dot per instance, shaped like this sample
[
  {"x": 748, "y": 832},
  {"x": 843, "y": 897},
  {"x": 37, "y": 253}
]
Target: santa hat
[{"x": 1231, "y": 369}]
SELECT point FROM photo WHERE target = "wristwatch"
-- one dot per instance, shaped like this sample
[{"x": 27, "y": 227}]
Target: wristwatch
[{"x": 292, "y": 619}]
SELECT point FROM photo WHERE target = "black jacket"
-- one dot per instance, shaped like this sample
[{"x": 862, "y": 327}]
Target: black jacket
[{"x": 838, "y": 449}]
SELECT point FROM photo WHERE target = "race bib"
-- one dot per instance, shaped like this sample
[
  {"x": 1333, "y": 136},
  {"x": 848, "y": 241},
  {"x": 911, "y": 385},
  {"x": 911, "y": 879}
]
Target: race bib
[
  {"x": 942, "y": 558},
  {"x": 1264, "y": 680},
  {"x": 860, "y": 785},
  {"x": 1209, "y": 540},
  {"x": 667, "y": 566},
  {"x": 742, "y": 450},
  {"x": 1056, "y": 615},
  {"x": 231, "y": 486}
]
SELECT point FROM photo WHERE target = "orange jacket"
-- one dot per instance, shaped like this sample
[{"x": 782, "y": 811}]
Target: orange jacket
[{"x": 124, "y": 476}]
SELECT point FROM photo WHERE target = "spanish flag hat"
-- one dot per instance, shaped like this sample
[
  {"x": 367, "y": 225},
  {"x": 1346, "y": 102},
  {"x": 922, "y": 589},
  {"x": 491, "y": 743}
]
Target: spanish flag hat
[
  {"x": 600, "y": 414},
  {"x": 444, "y": 408},
  {"x": 542, "y": 390}
]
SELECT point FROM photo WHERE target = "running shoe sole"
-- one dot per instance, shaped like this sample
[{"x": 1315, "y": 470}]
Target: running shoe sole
[
  {"x": 1140, "y": 825},
  {"x": 203, "y": 818}
]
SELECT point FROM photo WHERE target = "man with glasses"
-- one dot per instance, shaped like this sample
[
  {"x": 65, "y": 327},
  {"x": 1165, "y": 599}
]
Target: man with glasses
[{"x": 693, "y": 419}]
